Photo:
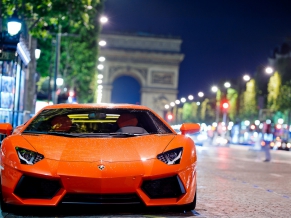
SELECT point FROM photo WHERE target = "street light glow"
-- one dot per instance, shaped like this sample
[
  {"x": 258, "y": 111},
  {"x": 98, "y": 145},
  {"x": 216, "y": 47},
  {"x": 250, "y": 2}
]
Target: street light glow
[
  {"x": 101, "y": 59},
  {"x": 14, "y": 24},
  {"x": 227, "y": 84},
  {"x": 172, "y": 104},
  {"x": 269, "y": 70},
  {"x": 200, "y": 94},
  {"x": 247, "y": 122},
  {"x": 177, "y": 102},
  {"x": 100, "y": 76},
  {"x": 103, "y": 19},
  {"x": 183, "y": 100},
  {"x": 102, "y": 43},
  {"x": 214, "y": 88},
  {"x": 246, "y": 77},
  {"x": 190, "y": 97},
  {"x": 60, "y": 81},
  {"x": 100, "y": 66},
  {"x": 37, "y": 53},
  {"x": 167, "y": 106},
  {"x": 198, "y": 103},
  {"x": 280, "y": 121}
]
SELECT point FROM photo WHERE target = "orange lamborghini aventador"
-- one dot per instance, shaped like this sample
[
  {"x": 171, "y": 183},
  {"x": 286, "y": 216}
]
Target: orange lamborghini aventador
[{"x": 98, "y": 154}]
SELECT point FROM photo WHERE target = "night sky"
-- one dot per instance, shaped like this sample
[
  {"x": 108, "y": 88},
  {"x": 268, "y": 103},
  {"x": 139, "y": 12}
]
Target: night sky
[{"x": 221, "y": 38}]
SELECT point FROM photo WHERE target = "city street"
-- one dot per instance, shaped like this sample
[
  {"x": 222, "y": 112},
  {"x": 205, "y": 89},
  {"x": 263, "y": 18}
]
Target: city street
[{"x": 232, "y": 182}]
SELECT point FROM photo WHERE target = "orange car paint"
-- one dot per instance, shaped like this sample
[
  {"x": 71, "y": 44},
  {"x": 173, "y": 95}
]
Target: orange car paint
[{"x": 74, "y": 162}]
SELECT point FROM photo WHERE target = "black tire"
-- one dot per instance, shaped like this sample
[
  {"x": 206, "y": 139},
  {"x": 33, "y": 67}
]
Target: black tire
[
  {"x": 4, "y": 206},
  {"x": 190, "y": 206}
]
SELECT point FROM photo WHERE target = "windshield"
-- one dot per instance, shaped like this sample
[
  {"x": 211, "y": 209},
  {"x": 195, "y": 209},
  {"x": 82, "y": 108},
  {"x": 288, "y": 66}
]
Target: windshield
[{"x": 106, "y": 122}]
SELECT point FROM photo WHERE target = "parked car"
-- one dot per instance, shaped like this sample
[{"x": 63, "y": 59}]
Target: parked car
[{"x": 98, "y": 154}]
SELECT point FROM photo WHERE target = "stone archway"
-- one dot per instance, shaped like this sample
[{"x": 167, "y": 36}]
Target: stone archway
[
  {"x": 153, "y": 61},
  {"x": 131, "y": 94}
]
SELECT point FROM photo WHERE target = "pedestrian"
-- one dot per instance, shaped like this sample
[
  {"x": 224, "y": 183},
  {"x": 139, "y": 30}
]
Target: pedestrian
[{"x": 267, "y": 139}]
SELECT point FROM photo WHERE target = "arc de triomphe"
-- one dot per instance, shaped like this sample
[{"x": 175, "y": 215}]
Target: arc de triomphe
[{"x": 152, "y": 60}]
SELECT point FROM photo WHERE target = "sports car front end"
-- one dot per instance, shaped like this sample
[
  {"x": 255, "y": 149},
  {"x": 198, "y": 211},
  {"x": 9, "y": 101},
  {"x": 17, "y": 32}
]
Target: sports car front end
[{"x": 52, "y": 169}]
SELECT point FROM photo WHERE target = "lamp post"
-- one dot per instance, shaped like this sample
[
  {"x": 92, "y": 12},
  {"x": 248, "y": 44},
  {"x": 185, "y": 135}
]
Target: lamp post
[
  {"x": 215, "y": 89},
  {"x": 10, "y": 47}
]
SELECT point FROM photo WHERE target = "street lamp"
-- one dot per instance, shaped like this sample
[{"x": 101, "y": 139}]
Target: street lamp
[
  {"x": 103, "y": 19},
  {"x": 200, "y": 94},
  {"x": 214, "y": 88},
  {"x": 269, "y": 70},
  {"x": 102, "y": 43},
  {"x": 227, "y": 84},
  {"x": 101, "y": 59},
  {"x": 190, "y": 97},
  {"x": 100, "y": 67},
  {"x": 246, "y": 77},
  {"x": 37, "y": 53},
  {"x": 14, "y": 24}
]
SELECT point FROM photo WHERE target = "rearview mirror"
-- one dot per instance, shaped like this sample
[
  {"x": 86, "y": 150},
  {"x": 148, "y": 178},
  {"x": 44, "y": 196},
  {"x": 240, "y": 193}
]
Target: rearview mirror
[
  {"x": 189, "y": 128},
  {"x": 6, "y": 128},
  {"x": 95, "y": 115}
]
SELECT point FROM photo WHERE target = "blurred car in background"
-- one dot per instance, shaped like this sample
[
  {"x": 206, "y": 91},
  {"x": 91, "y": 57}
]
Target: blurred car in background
[
  {"x": 199, "y": 138},
  {"x": 280, "y": 144}
]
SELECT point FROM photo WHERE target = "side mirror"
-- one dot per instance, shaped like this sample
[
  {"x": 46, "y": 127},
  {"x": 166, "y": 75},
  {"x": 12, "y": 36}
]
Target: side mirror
[
  {"x": 6, "y": 128},
  {"x": 189, "y": 128}
]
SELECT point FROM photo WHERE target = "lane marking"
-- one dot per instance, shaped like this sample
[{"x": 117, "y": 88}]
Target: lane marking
[{"x": 274, "y": 174}]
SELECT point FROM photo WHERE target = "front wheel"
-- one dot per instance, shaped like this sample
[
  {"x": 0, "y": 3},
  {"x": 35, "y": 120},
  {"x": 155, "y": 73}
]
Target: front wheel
[{"x": 4, "y": 206}]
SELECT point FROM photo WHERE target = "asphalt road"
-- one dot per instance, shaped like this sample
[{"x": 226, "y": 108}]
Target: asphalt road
[{"x": 232, "y": 182}]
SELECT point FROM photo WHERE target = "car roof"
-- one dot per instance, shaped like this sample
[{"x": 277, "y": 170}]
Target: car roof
[{"x": 101, "y": 105}]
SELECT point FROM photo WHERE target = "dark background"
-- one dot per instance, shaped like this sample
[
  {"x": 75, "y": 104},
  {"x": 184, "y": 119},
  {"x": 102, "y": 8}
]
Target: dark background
[{"x": 222, "y": 39}]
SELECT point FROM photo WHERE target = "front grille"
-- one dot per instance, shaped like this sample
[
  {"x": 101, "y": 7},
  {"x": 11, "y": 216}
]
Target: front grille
[
  {"x": 70, "y": 198},
  {"x": 32, "y": 187},
  {"x": 170, "y": 187}
]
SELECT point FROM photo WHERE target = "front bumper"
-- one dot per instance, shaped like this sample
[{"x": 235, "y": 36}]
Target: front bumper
[{"x": 50, "y": 183}]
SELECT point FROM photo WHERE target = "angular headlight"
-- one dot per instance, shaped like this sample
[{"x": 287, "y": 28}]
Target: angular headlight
[
  {"x": 28, "y": 157},
  {"x": 171, "y": 157}
]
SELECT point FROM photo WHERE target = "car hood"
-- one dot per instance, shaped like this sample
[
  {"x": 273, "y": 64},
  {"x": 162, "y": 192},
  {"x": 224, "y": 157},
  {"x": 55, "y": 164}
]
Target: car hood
[{"x": 96, "y": 149}]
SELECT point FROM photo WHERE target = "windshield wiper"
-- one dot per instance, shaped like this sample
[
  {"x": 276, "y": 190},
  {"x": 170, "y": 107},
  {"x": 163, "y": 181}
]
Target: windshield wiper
[
  {"x": 34, "y": 132},
  {"x": 127, "y": 134},
  {"x": 50, "y": 133}
]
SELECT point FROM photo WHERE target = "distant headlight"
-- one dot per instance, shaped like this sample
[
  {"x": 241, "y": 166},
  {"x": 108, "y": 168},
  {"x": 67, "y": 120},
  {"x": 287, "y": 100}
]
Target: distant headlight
[
  {"x": 28, "y": 157},
  {"x": 171, "y": 157}
]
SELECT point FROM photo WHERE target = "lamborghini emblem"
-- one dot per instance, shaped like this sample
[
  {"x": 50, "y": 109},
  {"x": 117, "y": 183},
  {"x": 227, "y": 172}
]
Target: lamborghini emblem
[{"x": 101, "y": 167}]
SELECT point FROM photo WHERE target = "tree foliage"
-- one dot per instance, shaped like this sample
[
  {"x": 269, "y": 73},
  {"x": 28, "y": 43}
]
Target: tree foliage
[
  {"x": 274, "y": 91},
  {"x": 249, "y": 103},
  {"x": 79, "y": 27},
  {"x": 232, "y": 97}
]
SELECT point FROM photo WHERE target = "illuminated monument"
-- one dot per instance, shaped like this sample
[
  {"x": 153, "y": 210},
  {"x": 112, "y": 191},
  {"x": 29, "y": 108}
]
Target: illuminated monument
[{"x": 152, "y": 60}]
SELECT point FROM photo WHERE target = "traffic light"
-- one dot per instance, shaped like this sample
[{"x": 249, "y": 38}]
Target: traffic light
[
  {"x": 224, "y": 104},
  {"x": 169, "y": 117}
]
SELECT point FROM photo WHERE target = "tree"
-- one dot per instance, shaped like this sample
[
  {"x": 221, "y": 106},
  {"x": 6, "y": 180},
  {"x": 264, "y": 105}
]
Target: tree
[
  {"x": 249, "y": 108},
  {"x": 190, "y": 111},
  {"x": 232, "y": 97},
  {"x": 79, "y": 54},
  {"x": 274, "y": 91}
]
